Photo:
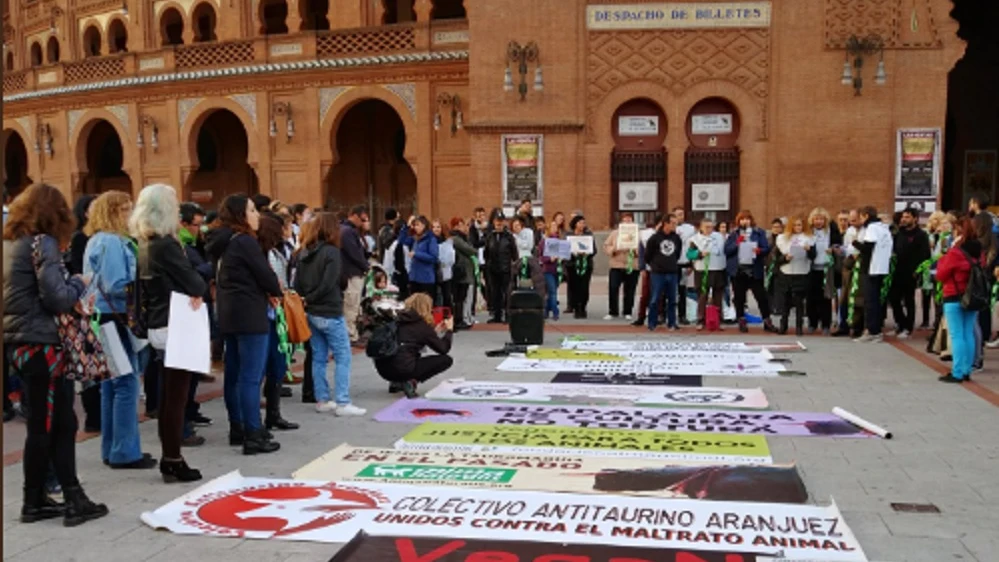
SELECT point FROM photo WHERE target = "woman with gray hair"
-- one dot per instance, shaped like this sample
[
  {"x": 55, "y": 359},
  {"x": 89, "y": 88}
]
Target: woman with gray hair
[{"x": 164, "y": 269}]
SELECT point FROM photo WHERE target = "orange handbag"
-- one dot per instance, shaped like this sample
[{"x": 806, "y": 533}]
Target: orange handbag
[{"x": 294, "y": 315}]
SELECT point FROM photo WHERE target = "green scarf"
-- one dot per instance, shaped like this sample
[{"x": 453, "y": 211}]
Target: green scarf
[
  {"x": 186, "y": 238},
  {"x": 285, "y": 348},
  {"x": 854, "y": 287},
  {"x": 581, "y": 265},
  {"x": 525, "y": 268},
  {"x": 886, "y": 286},
  {"x": 631, "y": 261}
]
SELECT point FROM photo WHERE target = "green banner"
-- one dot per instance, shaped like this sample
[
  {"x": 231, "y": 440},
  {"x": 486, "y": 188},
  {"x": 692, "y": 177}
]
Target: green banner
[{"x": 390, "y": 472}]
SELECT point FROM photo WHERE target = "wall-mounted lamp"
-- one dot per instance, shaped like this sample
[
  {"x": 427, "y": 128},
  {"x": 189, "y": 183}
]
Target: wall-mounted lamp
[
  {"x": 521, "y": 55},
  {"x": 445, "y": 99},
  {"x": 154, "y": 133},
  {"x": 43, "y": 138},
  {"x": 858, "y": 48},
  {"x": 282, "y": 109},
  {"x": 56, "y": 12}
]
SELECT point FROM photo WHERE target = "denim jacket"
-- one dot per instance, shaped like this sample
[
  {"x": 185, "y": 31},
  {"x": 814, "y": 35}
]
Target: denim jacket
[{"x": 111, "y": 260}]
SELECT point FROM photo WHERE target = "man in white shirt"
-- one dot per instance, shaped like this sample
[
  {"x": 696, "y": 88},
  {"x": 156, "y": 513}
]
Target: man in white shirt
[
  {"x": 876, "y": 249},
  {"x": 686, "y": 232}
]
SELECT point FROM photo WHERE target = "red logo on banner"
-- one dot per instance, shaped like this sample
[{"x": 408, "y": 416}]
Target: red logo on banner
[{"x": 287, "y": 510}]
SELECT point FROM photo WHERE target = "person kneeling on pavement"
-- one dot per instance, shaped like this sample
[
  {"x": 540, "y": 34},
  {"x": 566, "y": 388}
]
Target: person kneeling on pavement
[{"x": 417, "y": 329}]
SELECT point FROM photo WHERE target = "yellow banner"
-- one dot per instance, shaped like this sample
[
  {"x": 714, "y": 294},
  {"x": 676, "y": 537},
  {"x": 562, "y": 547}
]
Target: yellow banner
[
  {"x": 677, "y": 15},
  {"x": 572, "y": 355}
]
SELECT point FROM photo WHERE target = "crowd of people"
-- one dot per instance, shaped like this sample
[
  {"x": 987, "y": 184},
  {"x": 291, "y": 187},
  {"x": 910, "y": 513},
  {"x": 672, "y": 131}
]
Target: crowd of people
[{"x": 111, "y": 267}]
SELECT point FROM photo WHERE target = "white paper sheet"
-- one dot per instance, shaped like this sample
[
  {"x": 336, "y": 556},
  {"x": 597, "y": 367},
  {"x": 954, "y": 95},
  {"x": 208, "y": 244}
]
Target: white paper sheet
[
  {"x": 747, "y": 253},
  {"x": 188, "y": 337},
  {"x": 115, "y": 350}
]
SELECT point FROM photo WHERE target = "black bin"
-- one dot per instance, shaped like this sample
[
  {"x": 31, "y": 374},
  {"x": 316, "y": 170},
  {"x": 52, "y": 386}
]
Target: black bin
[{"x": 527, "y": 318}]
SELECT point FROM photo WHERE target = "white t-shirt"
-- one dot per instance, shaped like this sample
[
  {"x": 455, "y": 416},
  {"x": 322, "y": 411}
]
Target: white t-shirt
[
  {"x": 686, "y": 232},
  {"x": 878, "y": 233},
  {"x": 794, "y": 246}
]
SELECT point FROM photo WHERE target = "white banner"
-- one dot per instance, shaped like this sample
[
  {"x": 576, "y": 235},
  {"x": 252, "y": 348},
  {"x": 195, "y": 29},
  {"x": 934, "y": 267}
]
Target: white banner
[
  {"x": 659, "y": 363},
  {"x": 330, "y": 512},
  {"x": 599, "y": 394},
  {"x": 679, "y": 345}
]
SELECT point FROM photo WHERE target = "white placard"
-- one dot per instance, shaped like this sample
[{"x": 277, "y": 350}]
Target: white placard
[
  {"x": 638, "y": 196},
  {"x": 710, "y": 196},
  {"x": 747, "y": 253},
  {"x": 627, "y": 236},
  {"x": 638, "y": 125},
  {"x": 711, "y": 124},
  {"x": 581, "y": 244},
  {"x": 234, "y": 506},
  {"x": 189, "y": 338}
]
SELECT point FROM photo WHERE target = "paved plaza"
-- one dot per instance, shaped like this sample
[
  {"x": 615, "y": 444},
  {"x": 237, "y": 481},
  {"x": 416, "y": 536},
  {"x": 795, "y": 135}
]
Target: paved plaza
[{"x": 945, "y": 452}]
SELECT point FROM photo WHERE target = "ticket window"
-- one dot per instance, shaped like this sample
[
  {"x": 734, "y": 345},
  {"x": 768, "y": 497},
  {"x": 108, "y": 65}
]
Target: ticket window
[
  {"x": 712, "y": 161},
  {"x": 638, "y": 161}
]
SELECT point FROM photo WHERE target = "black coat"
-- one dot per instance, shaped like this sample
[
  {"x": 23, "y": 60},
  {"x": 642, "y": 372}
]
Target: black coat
[
  {"x": 414, "y": 335},
  {"x": 501, "y": 250},
  {"x": 244, "y": 282},
  {"x": 31, "y": 300},
  {"x": 164, "y": 268},
  {"x": 318, "y": 280},
  {"x": 355, "y": 261}
]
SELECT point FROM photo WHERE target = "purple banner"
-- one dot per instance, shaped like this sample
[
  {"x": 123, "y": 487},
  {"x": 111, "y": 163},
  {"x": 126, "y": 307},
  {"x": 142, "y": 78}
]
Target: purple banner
[{"x": 611, "y": 417}]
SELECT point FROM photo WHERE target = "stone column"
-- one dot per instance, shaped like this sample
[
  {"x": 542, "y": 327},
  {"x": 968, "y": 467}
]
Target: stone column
[
  {"x": 422, "y": 8},
  {"x": 295, "y": 20}
]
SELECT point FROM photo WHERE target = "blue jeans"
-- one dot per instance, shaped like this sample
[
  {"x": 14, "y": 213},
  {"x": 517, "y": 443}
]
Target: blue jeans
[
  {"x": 961, "y": 327},
  {"x": 120, "y": 411},
  {"x": 245, "y": 358},
  {"x": 551, "y": 287},
  {"x": 662, "y": 283},
  {"x": 330, "y": 334}
]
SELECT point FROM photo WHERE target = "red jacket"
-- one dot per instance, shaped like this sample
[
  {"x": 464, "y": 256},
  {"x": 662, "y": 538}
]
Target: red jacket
[{"x": 953, "y": 271}]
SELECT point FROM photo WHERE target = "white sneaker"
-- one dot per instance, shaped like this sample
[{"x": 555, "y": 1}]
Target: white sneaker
[
  {"x": 627, "y": 317},
  {"x": 904, "y": 335},
  {"x": 325, "y": 407},
  {"x": 349, "y": 410},
  {"x": 610, "y": 317},
  {"x": 993, "y": 344},
  {"x": 868, "y": 338}
]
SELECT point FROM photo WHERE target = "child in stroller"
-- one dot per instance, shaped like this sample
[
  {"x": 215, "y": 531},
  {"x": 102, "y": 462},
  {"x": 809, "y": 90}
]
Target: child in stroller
[{"x": 380, "y": 302}]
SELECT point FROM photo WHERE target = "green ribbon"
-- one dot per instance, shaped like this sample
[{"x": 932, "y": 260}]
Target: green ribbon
[
  {"x": 995, "y": 294},
  {"x": 525, "y": 270},
  {"x": 886, "y": 286},
  {"x": 558, "y": 270},
  {"x": 581, "y": 265},
  {"x": 768, "y": 278},
  {"x": 475, "y": 271},
  {"x": 631, "y": 261},
  {"x": 284, "y": 347},
  {"x": 938, "y": 297},
  {"x": 704, "y": 276},
  {"x": 854, "y": 286}
]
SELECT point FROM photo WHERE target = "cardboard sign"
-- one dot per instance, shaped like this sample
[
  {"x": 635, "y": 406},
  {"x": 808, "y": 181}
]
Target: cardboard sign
[
  {"x": 616, "y": 443},
  {"x": 679, "y": 345},
  {"x": 561, "y": 473},
  {"x": 365, "y": 548},
  {"x": 270, "y": 509},
  {"x": 627, "y": 379},
  {"x": 598, "y": 395},
  {"x": 796, "y": 424}
]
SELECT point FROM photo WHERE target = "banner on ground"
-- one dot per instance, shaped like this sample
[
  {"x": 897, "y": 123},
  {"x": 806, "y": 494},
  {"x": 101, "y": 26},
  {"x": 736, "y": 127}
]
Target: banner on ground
[
  {"x": 598, "y": 395},
  {"x": 561, "y": 473},
  {"x": 725, "y": 364},
  {"x": 267, "y": 509},
  {"x": 616, "y": 443},
  {"x": 679, "y": 345},
  {"x": 366, "y": 548},
  {"x": 627, "y": 379},
  {"x": 759, "y": 355},
  {"x": 795, "y": 424}
]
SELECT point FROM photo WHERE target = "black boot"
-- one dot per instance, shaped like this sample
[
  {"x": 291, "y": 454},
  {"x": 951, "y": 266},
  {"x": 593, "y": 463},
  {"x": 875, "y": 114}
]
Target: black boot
[
  {"x": 783, "y": 325},
  {"x": 273, "y": 419},
  {"x": 257, "y": 442},
  {"x": 178, "y": 471},
  {"x": 236, "y": 435},
  {"x": 743, "y": 326},
  {"x": 38, "y": 506},
  {"x": 79, "y": 508}
]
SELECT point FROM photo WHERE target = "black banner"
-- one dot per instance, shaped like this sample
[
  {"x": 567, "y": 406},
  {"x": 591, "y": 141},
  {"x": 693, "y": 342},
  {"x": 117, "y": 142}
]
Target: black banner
[
  {"x": 628, "y": 379},
  {"x": 366, "y": 548}
]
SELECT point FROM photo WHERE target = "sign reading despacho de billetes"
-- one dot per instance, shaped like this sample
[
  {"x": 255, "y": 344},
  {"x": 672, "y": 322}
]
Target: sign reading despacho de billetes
[
  {"x": 366, "y": 548},
  {"x": 677, "y": 15},
  {"x": 559, "y": 473}
]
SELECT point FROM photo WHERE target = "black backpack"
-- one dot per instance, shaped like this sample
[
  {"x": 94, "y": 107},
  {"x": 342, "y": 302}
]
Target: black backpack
[
  {"x": 384, "y": 341},
  {"x": 976, "y": 294}
]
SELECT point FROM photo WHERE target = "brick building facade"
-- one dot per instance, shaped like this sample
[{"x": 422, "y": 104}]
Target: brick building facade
[{"x": 408, "y": 102}]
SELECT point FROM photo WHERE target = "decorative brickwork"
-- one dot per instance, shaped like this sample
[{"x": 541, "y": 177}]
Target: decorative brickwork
[
  {"x": 383, "y": 40},
  {"x": 94, "y": 69},
  {"x": 214, "y": 54},
  {"x": 885, "y": 18},
  {"x": 15, "y": 81}
]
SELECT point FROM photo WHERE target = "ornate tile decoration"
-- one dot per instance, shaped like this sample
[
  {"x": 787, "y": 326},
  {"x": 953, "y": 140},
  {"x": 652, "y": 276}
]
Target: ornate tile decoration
[
  {"x": 407, "y": 93},
  {"x": 121, "y": 112},
  {"x": 886, "y": 18},
  {"x": 25, "y": 123},
  {"x": 74, "y": 120},
  {"x": 326, "y": 98},
  {"x": 184, "y": 108},
  {"x": 247, "y": 102}
]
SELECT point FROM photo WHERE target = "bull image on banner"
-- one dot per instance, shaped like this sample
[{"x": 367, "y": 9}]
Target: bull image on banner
[
  {"x": 615, "y": 443},
  {"x": 599, "y": 395},
  {"x": 797, "y": 424},
  {"x": 559, "y": 473},
  {"x": 235, "y": 506},
  {"x": 366, "y": 548}
]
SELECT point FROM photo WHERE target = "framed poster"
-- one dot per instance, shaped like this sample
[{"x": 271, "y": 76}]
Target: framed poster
[
  {"x": 710, "y": 196},
  {"x": 638, "y": 196},
  {"x": 711, "y": 124},
  {"x": 979, "y": 173},
  {"x": 638, "y": 125},
  {"x": 523, "y": 168},
  {"x": 917, "y": 170}
]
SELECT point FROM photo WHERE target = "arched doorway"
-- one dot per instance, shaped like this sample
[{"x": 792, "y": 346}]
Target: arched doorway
[
  {"x": 36, "y": 54},
  {"x": 204, "y": 23},
  {"x": 971, "y": 140},
  {"x": 171, "y": 27},
  {"x": 105, "y": 158},
  {"x": 52, "y": 49},
  {"x": 92, "y": 42},
  {"x": 15, "y": 163},
  {"x": 117, "y": 37},
  {"x": 10, "y": 60},
  {"x": 638, "y": 161},
  {"x": 273, "y": 17},
  {"x": 314, "y": 14},
  {"x": 711, "y": 161},
  {"x": 221, "y": 146},
  {"x": 371, "y": 170},
  {"x": 448, "y": 9}
]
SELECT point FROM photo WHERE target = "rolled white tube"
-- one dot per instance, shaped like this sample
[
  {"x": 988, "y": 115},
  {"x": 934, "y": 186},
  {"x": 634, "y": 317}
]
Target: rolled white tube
[{"x": 862, "y": 423}]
